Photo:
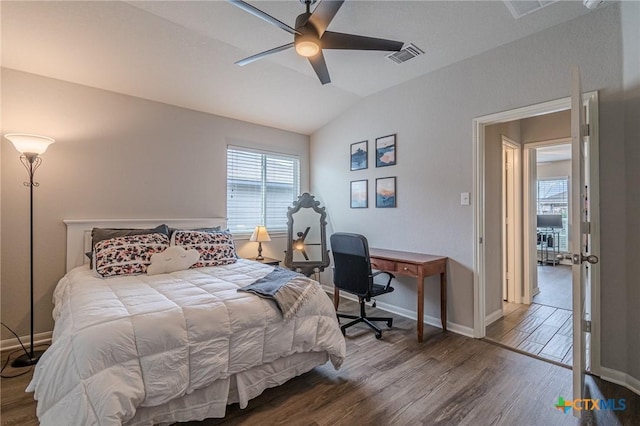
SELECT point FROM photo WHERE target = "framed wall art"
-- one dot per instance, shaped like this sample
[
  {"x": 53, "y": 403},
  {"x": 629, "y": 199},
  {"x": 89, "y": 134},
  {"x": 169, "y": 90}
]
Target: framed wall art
[
  {"x": 386, "y": 192},
  {"x": 386, "y": 151},
  {"x": 359, "y": 194},
  {"x": 359, "y": 152}
]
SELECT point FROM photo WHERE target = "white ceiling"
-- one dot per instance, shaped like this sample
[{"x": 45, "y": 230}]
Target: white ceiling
[{"x": 183, "y": 52}]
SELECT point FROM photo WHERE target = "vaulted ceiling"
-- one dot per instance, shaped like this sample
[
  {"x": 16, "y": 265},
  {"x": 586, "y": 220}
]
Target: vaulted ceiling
[{"x": 183, "y": 52}]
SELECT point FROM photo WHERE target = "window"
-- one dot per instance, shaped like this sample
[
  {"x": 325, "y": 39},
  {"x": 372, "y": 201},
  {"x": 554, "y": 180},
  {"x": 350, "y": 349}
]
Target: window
[
  {"x": 553, "y": 198},
  {"x": 260, "y": 188}
]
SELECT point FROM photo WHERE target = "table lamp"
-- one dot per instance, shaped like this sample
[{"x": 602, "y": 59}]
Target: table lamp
[{"x": 260, "y": 234}]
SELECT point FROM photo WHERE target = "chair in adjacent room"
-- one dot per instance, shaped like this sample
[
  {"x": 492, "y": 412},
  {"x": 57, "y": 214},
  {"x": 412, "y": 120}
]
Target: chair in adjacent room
[{"x": 352, "y": 273}]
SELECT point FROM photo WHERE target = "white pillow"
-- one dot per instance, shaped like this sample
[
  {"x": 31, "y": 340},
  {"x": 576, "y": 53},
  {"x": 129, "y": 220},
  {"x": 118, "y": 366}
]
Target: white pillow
[{"x": 175, "y": 258}]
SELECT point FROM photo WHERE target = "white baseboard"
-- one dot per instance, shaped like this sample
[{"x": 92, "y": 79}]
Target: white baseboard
[
  {"x": 38, "y": 339},
  {"x": 493, "y": 317},
  {"x": 535, "y": 291},
  {"x": 620, "y": 378},
  {"x": 427, "y": 319}
]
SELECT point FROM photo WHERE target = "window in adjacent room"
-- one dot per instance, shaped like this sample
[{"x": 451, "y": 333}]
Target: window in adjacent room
[
  {"x": 553, "y": 198},
  {"x": 260, "y": 188}
]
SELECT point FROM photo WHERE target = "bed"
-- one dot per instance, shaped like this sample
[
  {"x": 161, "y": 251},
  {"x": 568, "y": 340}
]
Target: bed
[{"x": 145, "y": 349}]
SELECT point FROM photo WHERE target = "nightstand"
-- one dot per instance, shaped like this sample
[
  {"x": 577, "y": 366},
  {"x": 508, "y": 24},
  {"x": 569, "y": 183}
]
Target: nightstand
[{"x": 267, "y": 261}]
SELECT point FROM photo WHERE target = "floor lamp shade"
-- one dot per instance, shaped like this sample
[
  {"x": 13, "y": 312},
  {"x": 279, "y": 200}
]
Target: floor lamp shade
[
  {"x": 29, "y": 144},
  {"x": 260, "y": 234},
  {"x": 30, "y": 147}
]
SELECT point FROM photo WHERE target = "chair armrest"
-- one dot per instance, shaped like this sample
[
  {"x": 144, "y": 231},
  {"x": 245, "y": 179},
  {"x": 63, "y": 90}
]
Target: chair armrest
[{"x": 391, "y": 276}]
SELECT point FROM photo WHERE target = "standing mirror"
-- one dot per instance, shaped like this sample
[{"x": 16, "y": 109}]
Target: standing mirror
[{"x": 307, "y": 242}]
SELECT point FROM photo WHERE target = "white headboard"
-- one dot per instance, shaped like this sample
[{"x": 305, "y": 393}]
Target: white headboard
[{"x": 79, "y": 232}]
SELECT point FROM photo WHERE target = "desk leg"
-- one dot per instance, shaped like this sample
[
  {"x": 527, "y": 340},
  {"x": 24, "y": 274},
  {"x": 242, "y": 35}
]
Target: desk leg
[
  {"x": 443, "y": 300},
  {"x": 336, "y": 297},
  {"x": 420, "y": 318}
]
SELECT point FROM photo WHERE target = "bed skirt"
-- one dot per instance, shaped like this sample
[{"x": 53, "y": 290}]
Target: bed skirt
[{"x": 206, "y": 402}]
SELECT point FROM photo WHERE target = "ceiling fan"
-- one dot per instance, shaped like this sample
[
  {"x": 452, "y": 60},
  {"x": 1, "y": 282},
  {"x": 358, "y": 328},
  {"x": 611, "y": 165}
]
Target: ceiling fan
[{"x": 310, "y": 35}]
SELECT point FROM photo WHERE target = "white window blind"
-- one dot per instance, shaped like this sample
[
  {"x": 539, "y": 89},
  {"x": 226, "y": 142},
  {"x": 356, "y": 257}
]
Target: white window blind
[
  {"x": 260, "y": 188},
  {"x": 553, "y": 198}
]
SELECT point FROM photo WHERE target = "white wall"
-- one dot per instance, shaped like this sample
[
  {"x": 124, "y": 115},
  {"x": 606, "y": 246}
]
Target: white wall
[
  {"x": 115, "y": 156},
  {"x": 432, "y": 116}
]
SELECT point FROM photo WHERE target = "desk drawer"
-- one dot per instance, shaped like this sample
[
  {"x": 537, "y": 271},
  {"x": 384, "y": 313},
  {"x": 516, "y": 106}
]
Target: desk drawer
[
  {"x": 383, "y": 265},
  {"x": 407, "y": 268}
]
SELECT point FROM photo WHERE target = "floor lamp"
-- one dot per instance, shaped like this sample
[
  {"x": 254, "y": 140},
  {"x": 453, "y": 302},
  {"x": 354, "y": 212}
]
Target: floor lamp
[{"x": 30, "y": 147}]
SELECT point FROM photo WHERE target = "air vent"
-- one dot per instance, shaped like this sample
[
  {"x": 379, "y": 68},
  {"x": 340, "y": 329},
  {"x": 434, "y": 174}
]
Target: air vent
[
  {"x": 520, "y": 8},
  {"x": 410, "y": 51}
]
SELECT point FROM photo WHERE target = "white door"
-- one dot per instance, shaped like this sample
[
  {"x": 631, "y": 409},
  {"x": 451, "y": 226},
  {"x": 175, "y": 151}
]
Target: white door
[{"x": 580, "y": 239}]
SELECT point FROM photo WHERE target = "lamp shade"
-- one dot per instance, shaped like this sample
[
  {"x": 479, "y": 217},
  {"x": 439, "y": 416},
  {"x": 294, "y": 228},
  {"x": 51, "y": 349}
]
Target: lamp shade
[
  {"x": 260, "y": 234},
  {"x": 31, "y": 144}
]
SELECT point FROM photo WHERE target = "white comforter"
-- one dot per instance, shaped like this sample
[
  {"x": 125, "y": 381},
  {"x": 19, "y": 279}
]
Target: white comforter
[{"x": 125, "y": 342}]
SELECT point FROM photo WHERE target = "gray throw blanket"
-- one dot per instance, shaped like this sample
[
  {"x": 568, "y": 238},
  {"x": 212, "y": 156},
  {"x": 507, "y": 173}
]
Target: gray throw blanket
[{"x": 290, "y": 290}]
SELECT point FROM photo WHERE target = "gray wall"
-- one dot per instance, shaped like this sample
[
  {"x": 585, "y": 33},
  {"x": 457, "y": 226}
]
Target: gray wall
[
  {"x": 547, "y": 127},
  {"x": 115, "y": 156},
  {"x": 631, "y": 82},
  {"x": 432, "y": 116}
]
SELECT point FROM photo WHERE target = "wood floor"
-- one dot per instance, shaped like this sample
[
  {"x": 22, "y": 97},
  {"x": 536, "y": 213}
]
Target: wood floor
[
  {"x": 554, "y": 283},
  {"x": 446, "y": 380},
  {"x": 540, "y": 330}
]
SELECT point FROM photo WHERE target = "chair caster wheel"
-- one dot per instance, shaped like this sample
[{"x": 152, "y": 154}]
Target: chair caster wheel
[
  {"x": 378, "y": 336},
  {"x": 390, "y": 323}
]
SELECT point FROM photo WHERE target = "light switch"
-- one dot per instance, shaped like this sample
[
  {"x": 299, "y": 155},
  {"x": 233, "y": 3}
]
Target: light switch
[{"x": 464, "y": 198}]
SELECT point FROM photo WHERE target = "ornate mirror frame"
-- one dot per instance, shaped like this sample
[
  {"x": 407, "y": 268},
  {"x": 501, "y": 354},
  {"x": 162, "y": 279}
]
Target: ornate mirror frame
[{"x": 306, "y": 201}]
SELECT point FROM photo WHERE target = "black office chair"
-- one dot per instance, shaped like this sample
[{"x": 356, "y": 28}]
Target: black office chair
[{"x": 352, "y": 273}]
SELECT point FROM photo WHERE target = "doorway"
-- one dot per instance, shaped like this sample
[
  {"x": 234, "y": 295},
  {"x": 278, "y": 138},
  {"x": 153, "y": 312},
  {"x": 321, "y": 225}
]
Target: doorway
[
  {"x": 541, "y": 323},
  {"x": 529, "y": 316}
]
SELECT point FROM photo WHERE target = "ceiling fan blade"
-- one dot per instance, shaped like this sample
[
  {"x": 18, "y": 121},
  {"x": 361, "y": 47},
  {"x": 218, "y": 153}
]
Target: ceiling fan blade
[
  {"x": 306, "y": 231},
  {"x": 324, "y": 13},
  {"x": 262, "y": 15},
  {"x": 253, "y": 58},
  {"x": 331, "y": 40},
  {"x": 320, "y": 67}
]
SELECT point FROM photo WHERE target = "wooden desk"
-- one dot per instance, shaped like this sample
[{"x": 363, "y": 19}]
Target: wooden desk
[{"x": 416, "y": 265}]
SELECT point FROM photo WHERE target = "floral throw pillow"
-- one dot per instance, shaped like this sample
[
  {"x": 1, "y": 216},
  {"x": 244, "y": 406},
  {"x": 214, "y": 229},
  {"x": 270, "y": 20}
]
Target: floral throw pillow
[
  {"x": 128, "y": 255},
  {"x": 215, "y": 248}
]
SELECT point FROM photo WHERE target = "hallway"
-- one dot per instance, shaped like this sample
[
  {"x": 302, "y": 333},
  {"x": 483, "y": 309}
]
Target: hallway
[
  {"x": 554, "y": 283},
  {"x": 545, "y": 327},
  {"x": 540, "y": 330}
]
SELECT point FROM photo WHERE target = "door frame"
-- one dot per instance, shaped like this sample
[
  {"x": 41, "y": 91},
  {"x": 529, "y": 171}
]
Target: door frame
[
  {"x": 515, "y": 224},
  {"x": 479, "y": 278}
]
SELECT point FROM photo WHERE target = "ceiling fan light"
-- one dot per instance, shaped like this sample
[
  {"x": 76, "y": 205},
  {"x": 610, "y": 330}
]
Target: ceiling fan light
[{"x": 307, "y": 48}]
